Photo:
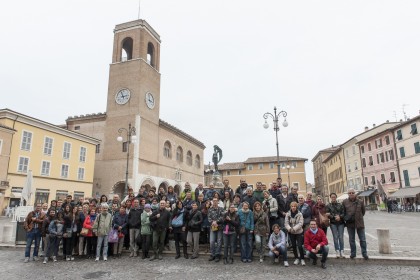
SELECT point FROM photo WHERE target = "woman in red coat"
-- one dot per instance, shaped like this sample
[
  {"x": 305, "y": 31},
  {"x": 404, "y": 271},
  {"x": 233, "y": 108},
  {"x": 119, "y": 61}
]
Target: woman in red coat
[{"x": 91, "y": 238}]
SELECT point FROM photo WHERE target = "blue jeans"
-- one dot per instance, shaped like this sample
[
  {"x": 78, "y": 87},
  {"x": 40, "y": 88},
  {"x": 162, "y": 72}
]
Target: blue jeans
[
  {"x": 246, "y": 245},
  {"x": 283, "y": 253},
  {"x": 324, "y": 251},
  {"x": 352, "y": 239},
  {"x": 101, "y": 239},
  {"x": 229, "y": 243},
  {"x": 216, "y": 237},
  {"x": 33, "y": 235},
  {"x": 338, "y": 235},
  {"x": 260, "y": 241}
]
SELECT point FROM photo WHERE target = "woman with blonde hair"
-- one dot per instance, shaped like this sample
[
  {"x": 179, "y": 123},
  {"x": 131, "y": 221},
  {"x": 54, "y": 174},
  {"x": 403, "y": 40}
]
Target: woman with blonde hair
[{"x": 294, "y": 224}]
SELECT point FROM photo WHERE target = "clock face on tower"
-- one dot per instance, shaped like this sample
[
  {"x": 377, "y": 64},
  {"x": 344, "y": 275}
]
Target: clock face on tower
[
  {"x": 150, "y": 100},
  {"x": 122, "y": 96}
]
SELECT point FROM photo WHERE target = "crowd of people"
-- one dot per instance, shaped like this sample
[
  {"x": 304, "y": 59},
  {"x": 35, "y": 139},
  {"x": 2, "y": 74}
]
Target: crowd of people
[{"x": 270, "y": 221}]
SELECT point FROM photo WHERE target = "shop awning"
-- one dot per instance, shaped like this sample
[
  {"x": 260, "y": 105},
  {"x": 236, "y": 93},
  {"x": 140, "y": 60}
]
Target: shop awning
[
  {"x": 366, "y": 193},
  {"x": 405, "y": 192}
]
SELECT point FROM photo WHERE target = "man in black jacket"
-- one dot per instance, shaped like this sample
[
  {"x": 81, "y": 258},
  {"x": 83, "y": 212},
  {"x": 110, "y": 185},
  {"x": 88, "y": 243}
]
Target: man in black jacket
[
  {"x": 194, "y": 221},
  {"x": 134, "y": 224},
  {"x": 160, "y": 221}
]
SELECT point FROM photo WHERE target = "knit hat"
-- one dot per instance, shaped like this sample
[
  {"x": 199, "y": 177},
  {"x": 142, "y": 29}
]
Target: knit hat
[{"x": 147, "y": 206}]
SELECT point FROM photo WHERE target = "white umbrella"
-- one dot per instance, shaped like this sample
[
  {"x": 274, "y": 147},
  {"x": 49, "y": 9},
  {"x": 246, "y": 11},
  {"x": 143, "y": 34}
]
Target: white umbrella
[{"x": 27, "y": 189}]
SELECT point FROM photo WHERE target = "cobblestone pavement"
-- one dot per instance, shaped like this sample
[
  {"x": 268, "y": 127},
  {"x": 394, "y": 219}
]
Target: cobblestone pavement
[{"x": 11, "y": 261}]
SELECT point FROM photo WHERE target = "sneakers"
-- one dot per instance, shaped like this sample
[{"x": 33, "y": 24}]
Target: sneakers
[
  {"x": 72, "y": 258},
  {"x": 276, "y": 260},
  {"x": 35, "y": 258},
  {"x": 261, "y": 260},
  {"x": 323, "y": 265},
  {"x": 286, "y": 264},
  {"x": 26, "y": 260},
  {"x": 342, "y": 254},
  {"x": 337, "y": 254},
  {"x": 296, "y": 262},
  {"x": 131, "y": 254},
  {"x": 54, "y": 259},
  {"x": 97, "y": 259},
  {"x": 67, "y": 258},
  {"x": 45, "y": 260},
  {"x": 302, "y": 262},
  {"x": 366, "y": 257},
  {"x": 105, "y": 258}
]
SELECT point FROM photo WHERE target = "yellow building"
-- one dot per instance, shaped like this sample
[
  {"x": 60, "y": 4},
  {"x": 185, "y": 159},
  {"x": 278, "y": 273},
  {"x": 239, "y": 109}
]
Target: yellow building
[
  {"x": 335, "y": 168},
  {"x": 62, "y": 161},
  {"x": 264, "y": 170}
]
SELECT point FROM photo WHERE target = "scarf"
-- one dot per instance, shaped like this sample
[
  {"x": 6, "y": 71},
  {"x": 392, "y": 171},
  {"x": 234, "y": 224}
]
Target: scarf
[
  {"x": 93, "y": 217},
  {"x": 245, "y": 211},
  {"x": 293, "y": 214},
  {"x": 314, "y": 231}
]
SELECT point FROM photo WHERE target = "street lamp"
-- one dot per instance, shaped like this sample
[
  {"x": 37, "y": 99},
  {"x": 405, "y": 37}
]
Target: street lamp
[
  {"x": 275, "y": 118},
  {"x": 288, "y": 167},
  {"x": 131, "y": 138}
]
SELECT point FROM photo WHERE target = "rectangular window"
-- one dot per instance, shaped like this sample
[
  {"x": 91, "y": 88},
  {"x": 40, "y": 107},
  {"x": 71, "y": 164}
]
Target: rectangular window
[
  {"x": 356, "y": 165},
  {"x": 228, "y": 172},
  {"x": 260, "y": 165},
  {"x": 366, "y": 181},
  {"x": 296, "y": 185},
  {"x": 380, "y": 143},
  {"x": 1, "y": 145},
  {"x": 239, "y": 172},
  {"x": 392, "y": 176},
  {"x": 78, "y": 195},
  {"x": 23, "y": 164},
  {"x": 387, "y": 139},
  {"x": 353, "y": 149},
  {"x": 383, "y": 178},
  {"x": 26, "y": 141},
  {"x": 402, "y": 152},
  {"x": 370, "y": 160},
  {"x": 81, "y": 173},
  {"x": 369, "y": 147},
  {"x": 82, "y": 155},
  {"x": 381, "y": 155},
  {"x": 351, "y": 182},
  {"x": 61, "y": 195},
  {"x": 399, "y": 134},
  {"x": 347, "y": 153},
  {"x": 391, "y": 155},
  {"x": 362, "y": 149},
  {"x": 64, "y": 171},
  {"x": 377, "y": 158},
  {"x": 413, "y": 129},
  {"x": 98, "y": 148},
  {"x": 358, "y": 182},
  {"x": 41, "y": 195},
  {"x": 250, "y": 167},
  {"x": 376, "y": 143},
  {"x": 348, "y": 168},
  {"x": 283, "y": 165},
  {"x": 45, "y": 170},
  {"x": 66, "y": 150},
  {"x": 294, "y": 164},
  {"x": 386, "y": 157},
  {"x": 406, "y": 178},
  {"x": 48, "y": 144},
  {"x": 419, "y": 171},
  {"x": 373, "y": 180},
  {"x": 271, "y": 165},
  {"x": 363, "y": 162},
  {"x": 417, "y": 148},
  {"x": 77, "y": 127}
]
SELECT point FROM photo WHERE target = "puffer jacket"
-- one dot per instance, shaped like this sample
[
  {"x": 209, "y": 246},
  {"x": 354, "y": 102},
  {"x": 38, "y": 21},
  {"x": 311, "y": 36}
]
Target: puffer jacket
[
  {"x": 119, "y": 220},
  {"x": 357, "y": 209},
  {"x": 271, "y": 204},
  {"x": 246, "y": 219},
  {"x": 336, "y": 209},
  {"x": 145, "y": 224},
  {"x": 294, "y": 225}
]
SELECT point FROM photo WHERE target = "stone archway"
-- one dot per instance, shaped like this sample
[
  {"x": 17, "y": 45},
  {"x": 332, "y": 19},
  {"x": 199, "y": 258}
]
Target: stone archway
[
  {"x": 119, "y": 188},
  {"x": 164, "y": 185},
  {"x": 147, "y": 183},
  {"x": 177, "y": 189}
]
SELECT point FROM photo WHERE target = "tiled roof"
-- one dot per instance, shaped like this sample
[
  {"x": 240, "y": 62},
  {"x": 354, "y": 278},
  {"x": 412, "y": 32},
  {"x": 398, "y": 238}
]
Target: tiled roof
[
  {"x": 181, "y": 133},
  {"x": 273, "y": 159},
  {"x": 87, "y": 116},
  {"x": 231, "y": 166}
]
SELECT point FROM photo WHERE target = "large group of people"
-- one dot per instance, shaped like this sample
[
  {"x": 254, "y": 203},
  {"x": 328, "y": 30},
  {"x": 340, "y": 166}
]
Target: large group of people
[{"x": 270, "y": 221}]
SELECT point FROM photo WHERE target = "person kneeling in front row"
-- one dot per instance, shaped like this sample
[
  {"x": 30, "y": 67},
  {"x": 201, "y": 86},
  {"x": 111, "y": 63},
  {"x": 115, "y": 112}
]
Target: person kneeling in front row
[
  {"x": 315, "y": 243},
  {"x": 277, "y": 245}
]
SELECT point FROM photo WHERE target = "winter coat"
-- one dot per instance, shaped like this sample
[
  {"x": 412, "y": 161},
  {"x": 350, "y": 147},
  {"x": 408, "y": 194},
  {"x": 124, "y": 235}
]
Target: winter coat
[
  {"x": 172, "y": 197},
  {"x": 232, "y": 223},
  {"x": 277, "y": 240},
  {"x": 356, "y": 209},
  {"x": 102, "y": 225},
  {"x": 246, "y": 219},
  {"x": 250, "y": 199},
  {"x": 312, "y": 240},
  {"x": 119, "y": 220},
  {"x": 283, "y": 205},
  {"x": 336, "y": 209},
  {"x": 272, "y": 207},
  {"x": 317, "y": 209},
  {"x": 145, "y": 224},
  {"x": 184, "y": 194},
  {"x": 294, "y": 225},
  {"x": 177, "y": 213},
  {"x": 258, "y": 195},
  {"x": 198, "y": 191},
  {"x": 194, "y": 221},
  {"x": 161, "y": 223},
  {"x": 261, "y": 223},
  {"x": 56, "y": 228},
  {"x": 28, "y": 224},
  {"x": 215, "y": 214},
  {"x": 134, "y": 218},
  {"x": 88, "y": 223},
  {"x": 306, "y": 213}
]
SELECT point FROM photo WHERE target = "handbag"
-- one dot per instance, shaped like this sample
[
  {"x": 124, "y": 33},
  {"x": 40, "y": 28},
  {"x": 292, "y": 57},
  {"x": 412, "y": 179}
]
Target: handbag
[
  {"x": 113, "y": 236},
  {"x": 84, "y": 231},
  {"x": 178, "y": 221},
  {"x": 324, "y": 220}
]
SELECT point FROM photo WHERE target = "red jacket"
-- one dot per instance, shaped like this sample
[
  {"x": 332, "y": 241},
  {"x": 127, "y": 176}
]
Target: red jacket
[
  {"x": 88, "y": 224},
  {"x": 312, "y": 240}
]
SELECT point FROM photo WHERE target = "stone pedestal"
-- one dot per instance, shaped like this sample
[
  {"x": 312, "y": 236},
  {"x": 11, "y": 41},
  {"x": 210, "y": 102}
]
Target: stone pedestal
[
  {"x": 384, "y": 241},
  {"x": 217, "y": 180}
]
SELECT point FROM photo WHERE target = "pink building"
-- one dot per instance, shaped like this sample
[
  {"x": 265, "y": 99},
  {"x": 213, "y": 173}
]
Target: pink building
[{"x": 379, "y": 165}]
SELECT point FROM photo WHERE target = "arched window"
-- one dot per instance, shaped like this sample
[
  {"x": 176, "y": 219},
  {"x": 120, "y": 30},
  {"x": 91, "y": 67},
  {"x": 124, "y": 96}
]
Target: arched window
[
  {"x": 151, "y": 54},
  {"x": 197, "y": 161},
  {"x": 189, "y": 158},
  {"x": 127, "y": 49},
  {"x": 167, "y": 150},
  {"x": 179, "y": 154}
]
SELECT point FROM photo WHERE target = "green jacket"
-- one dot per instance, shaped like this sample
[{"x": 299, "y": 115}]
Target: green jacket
[
  {"x": 102, "y": 225},
  {"x": 145, "y": 224},
  {"x": 259, "y": 195}
]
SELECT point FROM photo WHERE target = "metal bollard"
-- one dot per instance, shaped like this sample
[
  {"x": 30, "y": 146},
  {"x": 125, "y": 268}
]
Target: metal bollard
[{"x": 384, "y": 241}]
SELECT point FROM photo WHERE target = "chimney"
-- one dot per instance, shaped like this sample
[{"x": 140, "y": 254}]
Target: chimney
[
  {"x": 387, "y": 121},
  {"x": 366, "y": 128},
  {"x": 374, "y": 125}
]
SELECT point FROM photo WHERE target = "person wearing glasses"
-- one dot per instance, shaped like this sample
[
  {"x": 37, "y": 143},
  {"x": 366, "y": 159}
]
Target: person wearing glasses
[{"x": 354, "y": 210}]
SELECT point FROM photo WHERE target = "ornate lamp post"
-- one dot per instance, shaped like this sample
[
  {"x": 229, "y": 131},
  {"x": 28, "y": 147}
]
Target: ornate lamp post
[
  {"x": 288, "y": 167},
  {"x": 275, "y": 118},
  {"x": 130, "y": 138}
]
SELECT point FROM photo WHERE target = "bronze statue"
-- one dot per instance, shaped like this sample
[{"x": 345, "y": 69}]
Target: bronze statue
[{"x": 217, "y": 157}]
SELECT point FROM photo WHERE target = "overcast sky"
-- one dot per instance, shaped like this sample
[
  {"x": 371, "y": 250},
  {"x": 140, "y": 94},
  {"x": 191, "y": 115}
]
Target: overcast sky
[{"x": 334, "y": 66}]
